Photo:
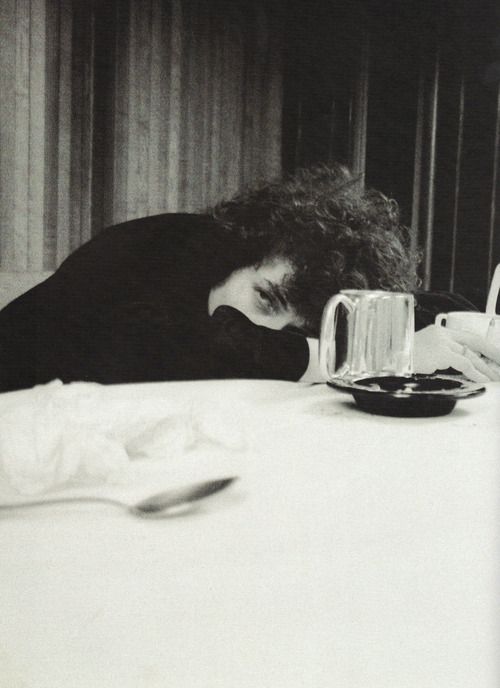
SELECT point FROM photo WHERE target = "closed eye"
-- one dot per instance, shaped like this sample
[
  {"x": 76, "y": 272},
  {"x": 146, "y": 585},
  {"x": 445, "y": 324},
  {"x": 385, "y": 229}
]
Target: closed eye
[{"x": 266, "y": 302}]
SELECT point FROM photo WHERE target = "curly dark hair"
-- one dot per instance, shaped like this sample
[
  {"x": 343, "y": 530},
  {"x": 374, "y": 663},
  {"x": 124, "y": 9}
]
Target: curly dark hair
[{"x": 335, "y": 234}]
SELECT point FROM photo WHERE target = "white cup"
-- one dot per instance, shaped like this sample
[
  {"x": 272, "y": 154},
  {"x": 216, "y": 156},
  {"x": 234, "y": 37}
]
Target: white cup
[{"x": 485, "y": 325}]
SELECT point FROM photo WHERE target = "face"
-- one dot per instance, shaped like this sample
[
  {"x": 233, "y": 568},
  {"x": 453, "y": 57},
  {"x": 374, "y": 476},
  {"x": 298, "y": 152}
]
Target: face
[{"x": 256, "y": 292}]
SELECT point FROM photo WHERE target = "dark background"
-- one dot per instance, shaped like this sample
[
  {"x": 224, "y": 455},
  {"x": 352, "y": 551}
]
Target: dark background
[{"x": 414, "y": 86}]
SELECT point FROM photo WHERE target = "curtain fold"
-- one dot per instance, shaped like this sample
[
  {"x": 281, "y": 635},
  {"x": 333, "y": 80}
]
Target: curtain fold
[{"x": 116, "y": 110}]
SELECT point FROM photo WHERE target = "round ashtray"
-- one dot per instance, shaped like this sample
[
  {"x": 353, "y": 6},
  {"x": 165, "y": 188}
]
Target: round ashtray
[{"x": 411, "y": 396}]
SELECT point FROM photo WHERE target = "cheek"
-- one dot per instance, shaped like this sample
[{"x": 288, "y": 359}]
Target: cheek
[
  {"x": 242, "y": 299},
  {"x": 236, "y": 294}
]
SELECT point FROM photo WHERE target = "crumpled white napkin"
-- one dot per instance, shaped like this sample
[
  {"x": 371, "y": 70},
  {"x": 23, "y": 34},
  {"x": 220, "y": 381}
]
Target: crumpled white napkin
[{"x": 58, "y": 433}]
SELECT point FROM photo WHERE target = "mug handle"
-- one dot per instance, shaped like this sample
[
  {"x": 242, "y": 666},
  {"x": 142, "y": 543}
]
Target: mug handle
[
  {"x": 327, "y": 351},
  {"x": 440, "y": 319}
]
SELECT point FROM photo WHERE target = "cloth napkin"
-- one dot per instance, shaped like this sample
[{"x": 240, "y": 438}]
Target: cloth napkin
[{"x": 58, "y": 434}]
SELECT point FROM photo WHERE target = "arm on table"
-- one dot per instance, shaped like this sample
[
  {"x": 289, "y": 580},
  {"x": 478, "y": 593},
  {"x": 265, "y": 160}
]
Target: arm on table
[{"x": 271, "y": 353}]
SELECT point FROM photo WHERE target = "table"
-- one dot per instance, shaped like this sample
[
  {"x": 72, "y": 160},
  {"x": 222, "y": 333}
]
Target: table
[{"x": 354, "y": 551}]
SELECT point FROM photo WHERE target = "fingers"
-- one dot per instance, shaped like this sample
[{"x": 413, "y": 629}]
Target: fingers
[
  {"x": 438, "y": 348},
  {"x": 475, "y": 342},
  {"x": 493, "y": 369},
  {"x": 466, "y": 366},
  {"x": 468, "y": 350},
  {"x": 456, "y": 347},
  {"x": 481, "y": 365}
]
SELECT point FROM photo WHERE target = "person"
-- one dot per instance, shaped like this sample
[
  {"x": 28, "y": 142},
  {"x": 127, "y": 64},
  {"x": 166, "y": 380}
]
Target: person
[{"x": 237, "y": 291}]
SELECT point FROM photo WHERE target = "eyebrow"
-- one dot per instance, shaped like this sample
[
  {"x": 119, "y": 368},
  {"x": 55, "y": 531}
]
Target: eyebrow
[{"x": 277, "y": 293}]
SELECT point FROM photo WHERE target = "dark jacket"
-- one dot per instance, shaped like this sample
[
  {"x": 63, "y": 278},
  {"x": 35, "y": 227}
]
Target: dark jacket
[{"x": 131, "y": 306}]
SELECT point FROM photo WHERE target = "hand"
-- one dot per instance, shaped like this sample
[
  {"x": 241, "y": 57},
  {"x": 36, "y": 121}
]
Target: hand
[
  {"x": 313, "y": 372},
  {"x": 438, "y": 348}
]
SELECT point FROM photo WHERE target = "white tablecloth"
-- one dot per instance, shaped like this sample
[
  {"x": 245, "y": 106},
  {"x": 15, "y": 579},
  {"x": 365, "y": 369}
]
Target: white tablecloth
[{"x": 355, "y": 551}]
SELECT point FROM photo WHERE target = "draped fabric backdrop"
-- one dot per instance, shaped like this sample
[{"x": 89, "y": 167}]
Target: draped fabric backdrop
[
  {"x": 120, "y": 109},
  {"x": 114, "y": 109}
]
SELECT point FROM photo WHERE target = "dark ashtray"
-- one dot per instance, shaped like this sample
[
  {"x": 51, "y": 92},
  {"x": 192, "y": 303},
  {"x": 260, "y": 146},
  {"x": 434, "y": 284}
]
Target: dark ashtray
[{"x": 412, "y": 396}]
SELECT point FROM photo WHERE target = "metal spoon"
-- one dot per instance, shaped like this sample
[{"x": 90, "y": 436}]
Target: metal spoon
[{"x": 156, "y": 506}]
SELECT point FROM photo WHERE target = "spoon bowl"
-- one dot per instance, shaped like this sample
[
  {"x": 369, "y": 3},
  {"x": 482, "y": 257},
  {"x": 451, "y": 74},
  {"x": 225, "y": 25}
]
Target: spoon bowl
[
  {"x": 162, "y": 503},
  {"x": 157, "y": 505}
]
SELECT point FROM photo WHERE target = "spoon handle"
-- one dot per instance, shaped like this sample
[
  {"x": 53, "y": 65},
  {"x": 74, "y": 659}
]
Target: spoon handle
[
  {"x": 61, "y": 500},
  {"x": 156, "y": 504}
]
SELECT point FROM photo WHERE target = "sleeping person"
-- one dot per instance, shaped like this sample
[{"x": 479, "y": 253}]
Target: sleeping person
[{"x": 237, "y": 291}]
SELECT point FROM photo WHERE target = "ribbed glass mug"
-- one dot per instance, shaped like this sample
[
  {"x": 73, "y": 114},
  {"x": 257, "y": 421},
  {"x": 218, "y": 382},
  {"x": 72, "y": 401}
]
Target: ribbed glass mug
[{"x": 367, "y": 333}]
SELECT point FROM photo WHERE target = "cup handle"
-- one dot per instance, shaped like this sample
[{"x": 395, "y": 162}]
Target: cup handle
[
  {"x": 441, "y": 319},
  {"x": 493, "y": 293},
  {"x": 328, "y": 329}
]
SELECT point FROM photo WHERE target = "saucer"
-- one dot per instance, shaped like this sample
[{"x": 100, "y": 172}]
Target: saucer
[{"x": 411, "y": 396}]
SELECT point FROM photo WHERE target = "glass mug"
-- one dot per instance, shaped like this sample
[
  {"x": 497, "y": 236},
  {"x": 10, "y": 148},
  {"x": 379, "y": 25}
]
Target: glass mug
[{"x": 367, "y": 333}]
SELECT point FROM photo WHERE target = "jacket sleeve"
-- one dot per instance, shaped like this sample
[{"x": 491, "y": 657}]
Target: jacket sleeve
[
  {"x": 239, "y": 348},
  {"x": 122, "y": 348},
  {"x": 197, "y": 347}
]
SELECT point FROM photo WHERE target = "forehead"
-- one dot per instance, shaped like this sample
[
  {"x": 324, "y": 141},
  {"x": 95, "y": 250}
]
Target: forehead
[{"x": 274, "y": 270}]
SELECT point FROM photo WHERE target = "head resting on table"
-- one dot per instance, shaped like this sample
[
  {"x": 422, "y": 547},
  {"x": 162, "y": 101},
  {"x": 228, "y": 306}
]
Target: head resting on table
[{"x": 329, "y": 232}]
